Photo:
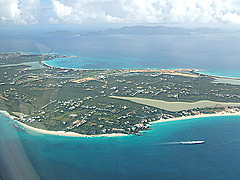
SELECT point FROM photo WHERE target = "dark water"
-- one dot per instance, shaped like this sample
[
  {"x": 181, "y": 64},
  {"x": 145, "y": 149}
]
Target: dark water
[
  {"x": 136, "y": 157},
  {"x": 213, "y": 53}
]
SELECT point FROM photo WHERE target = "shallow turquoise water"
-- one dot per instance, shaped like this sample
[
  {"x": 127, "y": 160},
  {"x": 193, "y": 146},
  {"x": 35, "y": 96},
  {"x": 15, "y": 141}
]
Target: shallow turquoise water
[
  {"x": 94, "y": 63},
  {"x": 138, "y": 157},
  {"x": 216, "y": 54}
]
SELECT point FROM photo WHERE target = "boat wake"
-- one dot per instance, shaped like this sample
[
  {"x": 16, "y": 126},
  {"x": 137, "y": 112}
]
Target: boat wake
[{"x": 185, "y": 142}]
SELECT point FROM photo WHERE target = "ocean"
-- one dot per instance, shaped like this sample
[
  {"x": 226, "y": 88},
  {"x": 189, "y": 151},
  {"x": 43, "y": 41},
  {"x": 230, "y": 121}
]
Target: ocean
[
  {"x": 151, "y": 156},
  {"x": 216, "y": 54},
  {"x": 155, "y": 155}
]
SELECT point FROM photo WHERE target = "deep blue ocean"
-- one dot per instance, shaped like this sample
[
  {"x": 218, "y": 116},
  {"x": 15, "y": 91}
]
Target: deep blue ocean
[{"x": 151, "y": 156}]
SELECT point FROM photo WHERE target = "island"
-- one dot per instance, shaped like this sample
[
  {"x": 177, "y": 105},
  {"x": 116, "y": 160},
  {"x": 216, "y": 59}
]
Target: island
[
  {"x": 139, "y": 30},
  {"x": 112, "y": 102}
]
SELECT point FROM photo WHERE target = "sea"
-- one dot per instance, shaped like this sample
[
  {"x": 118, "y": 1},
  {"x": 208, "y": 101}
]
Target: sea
[{"x": 159, "y": 153}]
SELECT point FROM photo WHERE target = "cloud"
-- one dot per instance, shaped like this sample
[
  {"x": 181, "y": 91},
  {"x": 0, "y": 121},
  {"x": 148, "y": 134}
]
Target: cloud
[
  {"x": 234, "y": 18},
  {"x": 61, "y": 10},
  {"x": 30, "y": 11},
  {"x": 85, "y": 11},
  {"x": 119, "y": 11},
  {"x": 150, "y": 11},
  {"x": 18, "y": 12},
  {"x": 10, "y": 11}
]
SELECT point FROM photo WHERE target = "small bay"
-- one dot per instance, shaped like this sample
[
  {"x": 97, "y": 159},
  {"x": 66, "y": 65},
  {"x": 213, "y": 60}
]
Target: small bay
[{"x": 215, "y": 54}]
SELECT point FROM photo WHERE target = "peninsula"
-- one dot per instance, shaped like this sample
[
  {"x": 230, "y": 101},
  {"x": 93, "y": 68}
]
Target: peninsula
[{"x": 81, "y": 102}]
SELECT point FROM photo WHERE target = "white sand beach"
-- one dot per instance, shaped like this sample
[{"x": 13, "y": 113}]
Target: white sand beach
[
  {"x": 223, "y": 113},
  {"x": 64, "y": 133},
  {"x": 74, "y": 134}
]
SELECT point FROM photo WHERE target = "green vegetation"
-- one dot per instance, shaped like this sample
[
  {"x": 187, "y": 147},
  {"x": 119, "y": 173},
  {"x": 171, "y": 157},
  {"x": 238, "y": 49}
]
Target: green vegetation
[
  {"x": 17, "y": 58},
  {"x": 80, "y": 100}
]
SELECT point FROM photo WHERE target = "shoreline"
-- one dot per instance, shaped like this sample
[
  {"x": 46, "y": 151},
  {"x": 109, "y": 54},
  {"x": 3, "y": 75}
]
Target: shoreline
[
  {"x": 64, "y": 133},
  {"x": 223, "y": 77},
  {"x": 199, "y": 71},
  {"x": 143, "y": 70},
  {"x": 47, "y": 65},
  {"x": 8, "y": 115},
  {"x": 215, "y": 76},
  {"x": 58, "y": 133},
  {"x": 74, "y": 134},
  {"x": 223, "y": 113}
]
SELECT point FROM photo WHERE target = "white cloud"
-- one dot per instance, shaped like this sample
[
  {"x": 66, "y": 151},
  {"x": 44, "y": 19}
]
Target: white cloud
[
  {"x": 30, "y": 11},
  {"x": 233, "y": 18},
  {"x": 85, "y": 11},
  {"x": 60, "y": 9},
  {"x": 151, "y": 11},
  {"x": 10, "y": 11},
  {"x": 18, "y": 12},
  {"x": 119, "y": 11}
]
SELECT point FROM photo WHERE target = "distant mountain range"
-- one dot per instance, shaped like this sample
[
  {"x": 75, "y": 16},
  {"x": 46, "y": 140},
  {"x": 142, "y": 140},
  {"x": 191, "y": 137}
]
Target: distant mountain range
[{"x": 139, "y": 30}]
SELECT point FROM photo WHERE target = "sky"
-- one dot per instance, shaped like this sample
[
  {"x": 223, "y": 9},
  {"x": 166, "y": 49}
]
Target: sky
[{"x": 66, "y": 12}]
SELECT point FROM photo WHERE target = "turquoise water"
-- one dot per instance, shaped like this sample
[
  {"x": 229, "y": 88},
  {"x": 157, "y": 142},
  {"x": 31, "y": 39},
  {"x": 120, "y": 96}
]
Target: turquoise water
[
  {"x": 94, "y": 63},
  {"x": 226, "y": 73},
  {"x": 216, "y": 54},
  {"x": 136, "y": 157}
]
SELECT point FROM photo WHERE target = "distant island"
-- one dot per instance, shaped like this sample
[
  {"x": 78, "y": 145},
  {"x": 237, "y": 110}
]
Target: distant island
[
  {"x": 60, "y": 33},
  {"x": 81, "y": 102},
  {"x": 139, "y": 30}
]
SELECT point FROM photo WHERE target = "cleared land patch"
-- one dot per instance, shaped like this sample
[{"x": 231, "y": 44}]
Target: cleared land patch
[
  {"x": 175, "y": 106},
  {"x": 83, "y": 80},
  {"x": 182, "y": 74}
]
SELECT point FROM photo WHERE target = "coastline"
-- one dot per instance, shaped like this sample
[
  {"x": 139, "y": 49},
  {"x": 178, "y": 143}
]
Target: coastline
[
  {"x": 58, "y": 133},
  {"x": 223, "y": 113},
  {"x": 201, "y": 72},
  {"x": 47, "y": 65},
  {"x": 74, "y": 134},
  {"x": 64, "y": 133},
  {"x": 222, "y": 77},
  {"x": 7, "y": 114},
  {"x": 164, "y": 71},
  {"x": 146, "y": 70}
]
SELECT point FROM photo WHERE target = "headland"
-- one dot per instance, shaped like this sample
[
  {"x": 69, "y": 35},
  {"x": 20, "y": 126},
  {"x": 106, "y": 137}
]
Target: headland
[{"x": 109, "y": 102}]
